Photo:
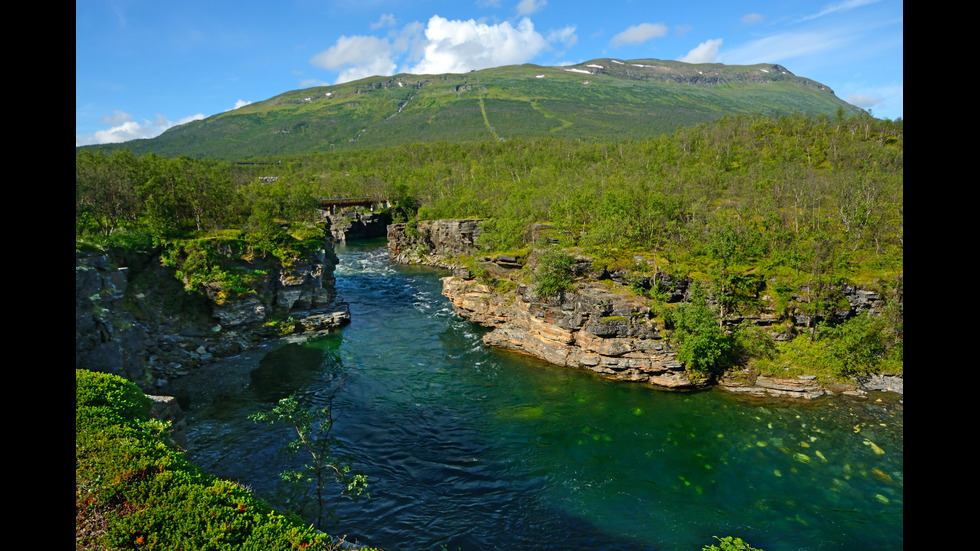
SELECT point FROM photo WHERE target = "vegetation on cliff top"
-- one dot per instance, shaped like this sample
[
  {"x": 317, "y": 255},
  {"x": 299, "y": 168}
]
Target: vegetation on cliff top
[{"x": 791, "y": 208}]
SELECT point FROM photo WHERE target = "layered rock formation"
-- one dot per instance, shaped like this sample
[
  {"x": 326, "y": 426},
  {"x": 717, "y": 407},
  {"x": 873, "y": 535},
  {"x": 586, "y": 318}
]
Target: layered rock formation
[
  {"x": 137, "y": 321},
  {"x": 356, "y": 223},
  {"x": 598, "y": 326},
  {"x": 433, "y": 242},
  {"x": 589, "y": 328}
]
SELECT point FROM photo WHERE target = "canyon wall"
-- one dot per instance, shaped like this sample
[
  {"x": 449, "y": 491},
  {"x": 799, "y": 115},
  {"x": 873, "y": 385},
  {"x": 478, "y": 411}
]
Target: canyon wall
[
  {"x": 600, "y": 324},
  {"x": 590, "y": 327},
  {"x": 138, "y": 321}
]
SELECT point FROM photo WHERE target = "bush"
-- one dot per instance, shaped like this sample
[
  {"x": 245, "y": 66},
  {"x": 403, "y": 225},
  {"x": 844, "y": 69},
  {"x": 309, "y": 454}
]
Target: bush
[
  {"x": 859, "y": 345},
  {"x": 554, "y": 275},
  {"x": 103, "y": 400},
  {"x": 729, "y": 543},
  {"x": 132, "y": 491},
  {"x": 704, "y": 345}
]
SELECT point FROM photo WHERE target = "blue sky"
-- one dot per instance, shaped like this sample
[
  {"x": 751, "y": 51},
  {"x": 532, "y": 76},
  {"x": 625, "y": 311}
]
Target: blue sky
[{"x": 143, "y": 66}]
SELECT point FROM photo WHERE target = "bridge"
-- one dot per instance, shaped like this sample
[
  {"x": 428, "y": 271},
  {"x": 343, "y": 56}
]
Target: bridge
[{"x": 340, "y": 202}]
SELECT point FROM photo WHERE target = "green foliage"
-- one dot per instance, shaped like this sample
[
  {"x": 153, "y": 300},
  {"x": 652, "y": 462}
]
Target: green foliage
[
  {"x": 314, "y": 441},
  {"x": 213, "y": 264},
  {"x": 703, "y": 345},
  {"x": 132, "y": 491},
  {"x": 789, "y": 206},
  {"x": 553, "y": 274},
  {"x": 729, "y": 543},
  {"x": 105, "y": 399},
  {"x": 860, "y": 346}
]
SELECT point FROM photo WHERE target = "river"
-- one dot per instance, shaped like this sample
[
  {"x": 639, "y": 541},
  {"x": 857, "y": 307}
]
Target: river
[{"x": 468, "y": 448}]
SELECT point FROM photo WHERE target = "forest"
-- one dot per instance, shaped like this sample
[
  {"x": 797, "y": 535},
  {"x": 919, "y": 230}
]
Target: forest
[{"x": 785, "y": 206}]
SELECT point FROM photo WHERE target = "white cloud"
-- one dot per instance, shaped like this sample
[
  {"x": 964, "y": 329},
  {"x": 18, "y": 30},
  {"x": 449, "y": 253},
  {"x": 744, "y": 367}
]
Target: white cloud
[
  {"x": 386, "y": 20},
  {"x": 124, "y": 128},
  {"x": 565, "y": 36},
  {"x": 638, "y": 34},
  {"x": 439, "y": 46},
  {"x": 311, "y": 82},
  {"x": 357, "y": 57},
  {"x": 752, "y": 18},
  {"x": 887, "y": 100},
  {"x": 705, "y": 52},
  {"x": 863, "y": 101},
  {"x": 241, "y": 103},
  {"x": 461, "y": 46},
  {"x": 527, "y": 7}
]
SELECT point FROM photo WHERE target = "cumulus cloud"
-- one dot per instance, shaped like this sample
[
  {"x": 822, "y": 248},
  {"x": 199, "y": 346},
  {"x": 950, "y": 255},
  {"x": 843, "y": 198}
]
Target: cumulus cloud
[
  {"x": 864, "y": 101},
  {"x": 884, "y": 99},
  {"x": 705, "y": 52},
  {"x": 638, "y": 34},
  {"x": 439, "y": 46},
  {"x": 461, "y": 46},
  {"x": 123, "y": 128},
  {"x": 241, "y": 103},
  {"x": 356, "y": 57}
]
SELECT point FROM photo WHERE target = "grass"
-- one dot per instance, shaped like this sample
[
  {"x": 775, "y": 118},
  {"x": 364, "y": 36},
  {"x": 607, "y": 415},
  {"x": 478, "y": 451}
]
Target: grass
[{"x": 617, "y": 105}]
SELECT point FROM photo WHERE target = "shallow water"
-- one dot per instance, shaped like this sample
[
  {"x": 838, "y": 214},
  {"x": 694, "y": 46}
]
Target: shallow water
[{"x": 471, "y": 448}]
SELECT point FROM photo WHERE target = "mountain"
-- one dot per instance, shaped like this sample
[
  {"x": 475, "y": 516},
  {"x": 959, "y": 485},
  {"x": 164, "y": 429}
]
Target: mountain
[{"x": 603, "y": 99}]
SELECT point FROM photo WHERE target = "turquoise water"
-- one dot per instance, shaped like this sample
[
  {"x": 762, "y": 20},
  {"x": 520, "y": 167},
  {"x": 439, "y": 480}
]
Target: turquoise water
[{"x": 471, "y": 448}]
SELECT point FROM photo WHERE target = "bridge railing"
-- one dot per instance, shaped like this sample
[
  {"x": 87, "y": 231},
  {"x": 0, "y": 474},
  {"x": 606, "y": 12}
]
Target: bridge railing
[{"x": 337, "y": 202}]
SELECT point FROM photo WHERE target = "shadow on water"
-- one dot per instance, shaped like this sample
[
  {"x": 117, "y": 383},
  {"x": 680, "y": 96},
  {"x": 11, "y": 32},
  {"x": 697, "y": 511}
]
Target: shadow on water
[{"x": 294, "y": 367}]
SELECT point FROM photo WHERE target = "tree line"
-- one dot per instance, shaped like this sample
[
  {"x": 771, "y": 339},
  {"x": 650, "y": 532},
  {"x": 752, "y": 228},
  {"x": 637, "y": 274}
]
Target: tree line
[{"x": 795, "y": 204}]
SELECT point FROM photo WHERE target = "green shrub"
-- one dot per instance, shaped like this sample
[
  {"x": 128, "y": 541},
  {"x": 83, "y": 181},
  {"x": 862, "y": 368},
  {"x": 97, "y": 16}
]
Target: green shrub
[
  {"x": 554, "y": 275},
  {"x": 132, "y": 491},
  {"x": 704, "y": 345},
  {"x": 102, "y": 399},
  {"x": 859, "y": 345},
  {"x": 729, "y": 543}
]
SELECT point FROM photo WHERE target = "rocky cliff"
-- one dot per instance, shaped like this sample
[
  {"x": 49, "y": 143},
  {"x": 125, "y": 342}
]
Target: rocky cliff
[
  {"x": 599, "y": 325},
  {"x": 589, "y": 328},
  {"x": 355, "y": 223},
  {"x": 433, "y": 242},
  {"x": 134, "y": 318}
]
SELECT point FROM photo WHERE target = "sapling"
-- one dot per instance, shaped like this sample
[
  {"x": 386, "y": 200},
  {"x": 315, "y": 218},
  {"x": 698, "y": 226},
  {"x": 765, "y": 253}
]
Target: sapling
[{"x": 313, "y": 439}]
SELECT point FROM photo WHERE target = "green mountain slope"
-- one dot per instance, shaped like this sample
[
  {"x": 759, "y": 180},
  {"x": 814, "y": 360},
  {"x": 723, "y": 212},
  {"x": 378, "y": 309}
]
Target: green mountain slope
[{"x": 597, "y": 100}]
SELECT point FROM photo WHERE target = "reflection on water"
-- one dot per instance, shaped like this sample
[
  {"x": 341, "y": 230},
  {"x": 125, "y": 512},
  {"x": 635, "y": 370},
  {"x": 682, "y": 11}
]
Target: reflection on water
[{"x": 478, "y": 449}]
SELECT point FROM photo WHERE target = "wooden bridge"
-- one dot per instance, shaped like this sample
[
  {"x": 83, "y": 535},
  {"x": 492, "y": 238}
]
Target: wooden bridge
[{"x": 340, "y": 202}]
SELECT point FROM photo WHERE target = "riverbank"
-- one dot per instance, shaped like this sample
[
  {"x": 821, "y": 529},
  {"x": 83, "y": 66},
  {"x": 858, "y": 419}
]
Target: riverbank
[{"x": 600, "y": 323}]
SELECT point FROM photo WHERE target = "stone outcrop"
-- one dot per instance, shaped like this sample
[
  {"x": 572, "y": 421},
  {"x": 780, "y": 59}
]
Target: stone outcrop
[
  {"x": 433, "y": 242},
  {"x": 599, "y": 326},
  {"x": 107, "y": 336},
  {"x": 589, "y": 328},
  {"x": 356, "y": 223},
  {"x": 747, "y": 383},
  {"x": 138, "y": 322}
]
